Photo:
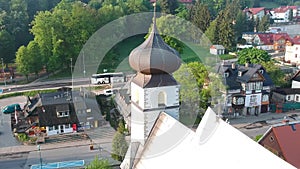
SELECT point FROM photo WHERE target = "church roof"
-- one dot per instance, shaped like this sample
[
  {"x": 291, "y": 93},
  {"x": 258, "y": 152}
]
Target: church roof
[
  {"x": 154, "y": 56},
  {"x": 154, "y": 80},
  {"x": 215, "y": 143}
]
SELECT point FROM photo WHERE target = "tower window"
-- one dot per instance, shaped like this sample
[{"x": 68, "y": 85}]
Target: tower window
[{"x": 162, "y": 99}]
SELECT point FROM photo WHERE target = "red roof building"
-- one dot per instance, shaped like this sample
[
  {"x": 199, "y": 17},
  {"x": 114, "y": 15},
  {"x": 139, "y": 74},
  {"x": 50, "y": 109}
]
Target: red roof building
[{"x": 283, "y": 141}]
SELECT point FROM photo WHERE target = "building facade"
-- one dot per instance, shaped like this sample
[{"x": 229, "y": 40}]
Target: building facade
[{"x": 248, "y": 89}]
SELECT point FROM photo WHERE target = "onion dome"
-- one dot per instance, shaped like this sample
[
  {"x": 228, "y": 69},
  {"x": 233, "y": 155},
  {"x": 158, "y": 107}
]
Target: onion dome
[{"x": 154, "y": 56}]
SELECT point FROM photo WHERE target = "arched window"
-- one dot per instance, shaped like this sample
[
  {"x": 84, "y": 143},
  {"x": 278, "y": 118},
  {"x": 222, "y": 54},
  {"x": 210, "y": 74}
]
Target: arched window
[{"x": 162, "y": 99}]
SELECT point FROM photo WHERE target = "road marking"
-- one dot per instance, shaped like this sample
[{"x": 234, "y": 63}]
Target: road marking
[{"x": 63, "y": 164}]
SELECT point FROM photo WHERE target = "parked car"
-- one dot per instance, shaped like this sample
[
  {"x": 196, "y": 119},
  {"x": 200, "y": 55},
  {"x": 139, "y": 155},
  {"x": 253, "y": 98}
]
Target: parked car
[
  {"x": 108, "y": 92},
  {"x": 11, "y": 108}
]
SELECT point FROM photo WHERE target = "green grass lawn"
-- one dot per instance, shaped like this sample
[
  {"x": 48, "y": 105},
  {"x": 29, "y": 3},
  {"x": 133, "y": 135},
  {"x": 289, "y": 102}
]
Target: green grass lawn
[{"x": 116, "y": 60}]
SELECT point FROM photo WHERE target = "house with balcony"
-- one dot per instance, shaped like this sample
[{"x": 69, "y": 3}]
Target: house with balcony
[
  {"x": 60, "y": 112},
  {"x": 282, "y": 13},
  {"x": 248, "y": 89}
]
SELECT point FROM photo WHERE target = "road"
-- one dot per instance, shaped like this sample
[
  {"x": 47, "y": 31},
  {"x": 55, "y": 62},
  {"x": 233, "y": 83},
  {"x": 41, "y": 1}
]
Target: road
[
  {"x": 26, "y": 160},
  {"x": 43, "y": 85}
]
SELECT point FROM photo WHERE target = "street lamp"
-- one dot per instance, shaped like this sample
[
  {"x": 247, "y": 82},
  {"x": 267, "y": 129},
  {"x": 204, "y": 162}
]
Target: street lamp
[
  {"x": 3, "y": 72},
  {"x": 41, "y": 162},
  {"x": 83, "y": 65}
]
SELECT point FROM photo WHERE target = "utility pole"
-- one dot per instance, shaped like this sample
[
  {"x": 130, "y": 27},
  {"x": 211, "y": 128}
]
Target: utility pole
[
  {"x": 72, "y": 72},
  {"x": 4, "y": 77}
]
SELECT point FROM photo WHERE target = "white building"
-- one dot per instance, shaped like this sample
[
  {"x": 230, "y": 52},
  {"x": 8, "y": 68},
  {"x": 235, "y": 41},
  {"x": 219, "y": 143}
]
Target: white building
[
  {"x": 153, "y": 89},
  {"x": 281, "y": 14},
  {"x": 215, "y": 144}
]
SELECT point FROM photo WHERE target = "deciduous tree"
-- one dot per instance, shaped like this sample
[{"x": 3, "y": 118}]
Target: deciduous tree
[{"x": 253, "y": 55}]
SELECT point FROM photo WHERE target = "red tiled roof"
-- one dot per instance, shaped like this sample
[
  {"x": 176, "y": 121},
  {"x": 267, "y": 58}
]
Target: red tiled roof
[
  {"x": 283, "y": 9},
  {"x": 278, "y": 36},
  {"x": 288, "y": 137},
  {"x": 254, "y": 11},
  {"x": 296, "y": 40},
  {"x": 266, "y": 38}
]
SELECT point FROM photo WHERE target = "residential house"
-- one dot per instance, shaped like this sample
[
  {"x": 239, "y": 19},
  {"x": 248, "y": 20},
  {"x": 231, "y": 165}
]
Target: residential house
[
  {"x": 292, "y": 52},
  {"x": 255, "y": 12},
  {"x": 61, "y": 112},
  {"x": 217, "y": 50},
  {"x": 296, "y": 80},
  {"x": 281, "y": 40},
  {"x": 219, "y": 145},
  {"x": 282, "y": 13},
  {"x": 268, "y": 41},
  {"x": 248, "y": 88},
  {"x": 282, "y": 140},
  {"x": 285, "y": 99},
  {"x": 263, "y": 41}
]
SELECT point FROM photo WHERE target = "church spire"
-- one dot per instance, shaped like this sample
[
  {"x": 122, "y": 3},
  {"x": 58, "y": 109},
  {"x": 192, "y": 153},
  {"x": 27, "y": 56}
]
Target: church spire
[{"x": 154, "y": 56}]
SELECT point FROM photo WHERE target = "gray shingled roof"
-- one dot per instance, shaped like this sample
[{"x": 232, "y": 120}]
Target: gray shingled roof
[
  {"x": 233, "y": 81},
  {"x": 154, "y": 80}
]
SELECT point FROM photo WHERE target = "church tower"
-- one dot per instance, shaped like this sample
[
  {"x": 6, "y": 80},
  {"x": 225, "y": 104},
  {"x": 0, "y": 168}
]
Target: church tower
[{"x": 153, "y": 89}]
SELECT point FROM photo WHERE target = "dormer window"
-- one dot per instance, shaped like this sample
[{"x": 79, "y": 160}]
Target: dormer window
[
  {"x": 261, "y": 71},
  {"x": 63, "y": 114},
  {"x": 226, "y": 74},
  {"x": 240, "y": 73}
]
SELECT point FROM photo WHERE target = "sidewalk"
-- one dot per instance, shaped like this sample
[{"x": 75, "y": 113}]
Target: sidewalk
[
  {"x": 270, "y": 118},
  {"x": 49, "y": 146}
]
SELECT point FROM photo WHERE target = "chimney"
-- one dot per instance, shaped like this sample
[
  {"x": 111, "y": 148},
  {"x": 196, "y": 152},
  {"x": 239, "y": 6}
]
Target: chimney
[
  {"x": 233, "y": 65},
  {"x": 246, "y": 64},
  {"x": 285, "y": 120}
]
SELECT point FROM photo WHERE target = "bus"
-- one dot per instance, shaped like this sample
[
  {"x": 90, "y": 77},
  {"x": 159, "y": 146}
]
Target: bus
[{"x": 107, "y": 78}]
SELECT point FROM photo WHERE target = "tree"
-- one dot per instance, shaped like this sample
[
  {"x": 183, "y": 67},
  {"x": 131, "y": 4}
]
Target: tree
[
  {"x": 275, "y": 73},
  {"x": 201, "y": 16},
  {"x": 6, "y": 46},
  {"x": 119, "y": 144},
  {"x": 226, "y": 33},
  {"x": 183, "y": 12},
  {"x": 240, "y": 25},
  {"x": 212, "y": 32},
  {"x": 99, "y": 164},
  {"x": 253, "y": 55},
  {"x": 23, "y": 61},
  {"x": 168, "y": 6},
  {"x": 264, "y": 24},
  {"x": 290, "y": 14},
  {"x": 35, "y": 58}
]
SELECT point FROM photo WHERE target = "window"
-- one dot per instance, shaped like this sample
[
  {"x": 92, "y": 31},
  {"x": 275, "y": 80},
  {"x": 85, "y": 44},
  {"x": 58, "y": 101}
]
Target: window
[
  {"x": 295, "y": 55},
  {"x": 288, "y": 98},
  {"x": 261, "y": 71},
  {"x": 162, "y": 99},
  {"x": 67, "y": 126},
  {"x": 51, "y": 128},
  {"x": 240, "y": 73},
  {"x": 265, "y": 98},
  {"x": 238, "y": 100},
  {"x": 63, "y": 114},
  {"x": 297, "y": 98},
  {"x": 226, "y": 74}
]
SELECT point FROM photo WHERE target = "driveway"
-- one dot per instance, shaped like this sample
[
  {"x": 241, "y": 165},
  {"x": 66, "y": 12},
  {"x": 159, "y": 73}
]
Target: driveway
[{"x": 6, "y": 137}]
